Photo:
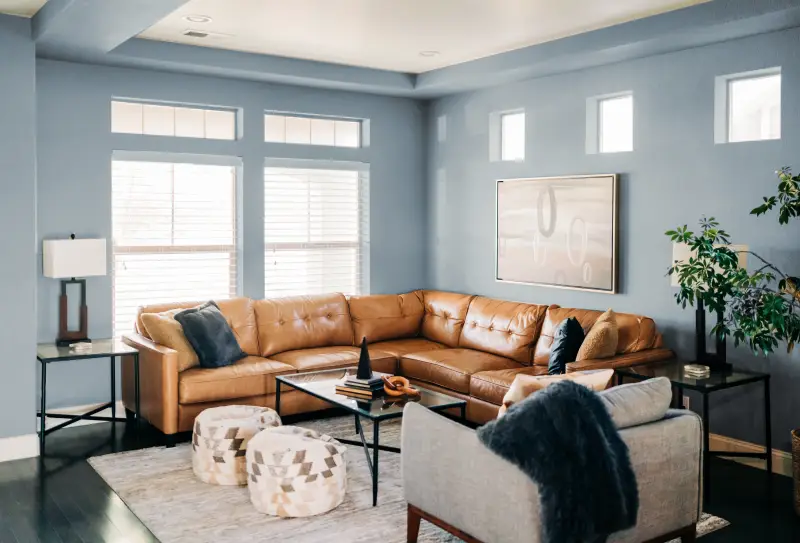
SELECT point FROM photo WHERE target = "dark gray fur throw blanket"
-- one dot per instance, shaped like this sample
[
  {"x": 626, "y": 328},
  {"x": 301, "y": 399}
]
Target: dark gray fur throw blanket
[{"x": 564, "y": 439}]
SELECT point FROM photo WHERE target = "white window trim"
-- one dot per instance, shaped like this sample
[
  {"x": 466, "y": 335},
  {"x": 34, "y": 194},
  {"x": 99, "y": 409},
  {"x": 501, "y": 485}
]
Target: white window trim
[
  {"x": 594, "y": 123},
  {"x": 496, "y": 135},
  {"x": 364, "y": 218},
  {"x": 722, "y": 101}
]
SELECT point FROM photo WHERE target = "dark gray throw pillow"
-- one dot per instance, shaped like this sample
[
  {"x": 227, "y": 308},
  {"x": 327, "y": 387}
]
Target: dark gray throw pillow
[
  {"x": 567, "y": 341},
  {"x": 210, "y": 336}
]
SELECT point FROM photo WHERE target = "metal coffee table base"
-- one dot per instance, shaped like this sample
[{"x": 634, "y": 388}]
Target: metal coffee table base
[{"x": 372, "y": 461}]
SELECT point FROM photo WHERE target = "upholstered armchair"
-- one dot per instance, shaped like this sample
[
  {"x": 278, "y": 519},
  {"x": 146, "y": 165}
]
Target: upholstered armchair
[{"x": 454, "y": 482}]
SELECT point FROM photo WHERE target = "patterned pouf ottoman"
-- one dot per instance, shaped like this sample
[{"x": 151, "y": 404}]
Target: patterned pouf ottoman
[
  {"x": 220, "y": 439},
  {"x": 295, "y": 472}
]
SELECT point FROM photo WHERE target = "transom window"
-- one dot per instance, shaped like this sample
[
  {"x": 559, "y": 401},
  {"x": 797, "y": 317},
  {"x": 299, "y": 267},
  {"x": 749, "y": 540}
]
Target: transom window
[
  {"x": 129, "y": 117},
  {"x": 174, "y": 229},
  {"x": 310, "y": 130}
]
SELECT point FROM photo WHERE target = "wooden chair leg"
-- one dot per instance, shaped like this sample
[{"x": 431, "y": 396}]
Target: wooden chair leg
[
  {"x": 690, "y": 535},
  {"x": 414, "y": 519}
]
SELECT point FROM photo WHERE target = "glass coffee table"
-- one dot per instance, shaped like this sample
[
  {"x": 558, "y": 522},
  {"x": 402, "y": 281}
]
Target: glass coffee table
[{"x": 322, "y": 385}]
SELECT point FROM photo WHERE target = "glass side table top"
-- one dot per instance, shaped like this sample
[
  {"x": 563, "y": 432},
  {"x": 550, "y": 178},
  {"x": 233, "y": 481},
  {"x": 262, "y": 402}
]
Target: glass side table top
[
  {"x": 322, "y": 384},
  {"x": 673, "y": 370},
  {"x": 100, "y": 348}
]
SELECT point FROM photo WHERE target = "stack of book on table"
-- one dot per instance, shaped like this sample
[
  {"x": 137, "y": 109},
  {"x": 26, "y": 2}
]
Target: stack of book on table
[{"x": 362, "y": 389}]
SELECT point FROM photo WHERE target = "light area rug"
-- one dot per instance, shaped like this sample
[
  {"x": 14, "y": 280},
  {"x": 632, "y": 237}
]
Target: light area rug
[{"x": 158, "y": 485}]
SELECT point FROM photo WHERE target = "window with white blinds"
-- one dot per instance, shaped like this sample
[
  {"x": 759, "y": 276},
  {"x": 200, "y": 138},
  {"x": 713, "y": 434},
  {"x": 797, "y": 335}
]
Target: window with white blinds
[
  {"x": 174, "y": 227},
  {"x": 316, "y": 228}
]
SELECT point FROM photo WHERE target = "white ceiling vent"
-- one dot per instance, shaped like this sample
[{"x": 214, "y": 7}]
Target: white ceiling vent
[{"x": 203, "y": 34}]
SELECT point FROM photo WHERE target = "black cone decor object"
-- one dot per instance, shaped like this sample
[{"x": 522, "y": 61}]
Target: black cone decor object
[{"x": 364, "y": 363}]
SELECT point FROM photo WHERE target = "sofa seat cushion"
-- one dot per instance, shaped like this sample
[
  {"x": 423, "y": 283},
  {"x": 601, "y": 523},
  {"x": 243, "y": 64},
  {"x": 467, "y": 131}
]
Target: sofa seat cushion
[
  {"x": 399, "y": 347},
  {"x": 325, "y": 358},
  {"x": 491, "y": 386},
  {"x": 250, "y": 376},
  {"x": 451, "y": 368}
]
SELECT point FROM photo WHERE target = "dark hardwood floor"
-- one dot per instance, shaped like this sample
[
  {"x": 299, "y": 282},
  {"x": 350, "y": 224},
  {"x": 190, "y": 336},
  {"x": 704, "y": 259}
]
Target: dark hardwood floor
[{"x": 63, "y": 500}]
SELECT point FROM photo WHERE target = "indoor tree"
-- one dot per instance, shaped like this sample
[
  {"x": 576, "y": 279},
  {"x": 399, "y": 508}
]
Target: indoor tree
[{"x": 761, "y": 308}]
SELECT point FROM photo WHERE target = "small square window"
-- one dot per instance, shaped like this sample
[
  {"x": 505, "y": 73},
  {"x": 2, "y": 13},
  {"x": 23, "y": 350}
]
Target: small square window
[
  {"x": 747, "y": 106},
  {"x": 754, "y": 108},
  {"x": 512, "y": 136},
  {"x": 615, "y": 124}
]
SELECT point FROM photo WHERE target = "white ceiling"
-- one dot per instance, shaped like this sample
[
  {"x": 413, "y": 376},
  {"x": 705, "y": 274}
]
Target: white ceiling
[
  {"x": 25, "y": 8},
  {"x": 390, "y": 34}
]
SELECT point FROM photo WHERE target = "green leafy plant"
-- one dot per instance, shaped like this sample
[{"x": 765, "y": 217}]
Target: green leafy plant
[
  {"x": 761, "y": 308},
  {"x": 788, "y": 197}
]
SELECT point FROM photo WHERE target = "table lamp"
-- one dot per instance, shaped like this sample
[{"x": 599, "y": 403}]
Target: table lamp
[
  {"x": 71, "y": 260},
  {"x": 681, "y": 254}
]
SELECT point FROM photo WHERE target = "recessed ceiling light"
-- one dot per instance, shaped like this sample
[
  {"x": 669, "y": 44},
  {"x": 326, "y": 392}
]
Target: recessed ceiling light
[
  {"x": 197, "y": 18},
  {"x": 429, "y": 53}
]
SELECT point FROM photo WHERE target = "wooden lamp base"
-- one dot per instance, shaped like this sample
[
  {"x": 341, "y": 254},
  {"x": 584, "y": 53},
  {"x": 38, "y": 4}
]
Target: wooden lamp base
[{"x": 66, "y": 336}]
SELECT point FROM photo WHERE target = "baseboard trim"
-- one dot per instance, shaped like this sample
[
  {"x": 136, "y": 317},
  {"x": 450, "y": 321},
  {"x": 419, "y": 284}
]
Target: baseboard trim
[
  {"x": 781, "y": 460},
  {"x": 17, "y": 447},
  {"x": 27, "y": 445}
]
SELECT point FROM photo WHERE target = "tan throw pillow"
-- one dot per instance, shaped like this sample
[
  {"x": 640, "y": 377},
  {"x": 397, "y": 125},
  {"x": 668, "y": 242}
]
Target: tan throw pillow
[
  {"x": 601, "y": 341},
  {"x": 166, "y": 331},
  {"x": 525, "y": 385}
]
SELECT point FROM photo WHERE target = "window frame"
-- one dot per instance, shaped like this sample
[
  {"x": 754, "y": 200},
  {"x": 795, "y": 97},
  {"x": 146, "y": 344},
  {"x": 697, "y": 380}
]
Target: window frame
[
  {"x": 594, "y": 122},
  {"x": 362, "y": 244},
  {"x": 237, "y": 117},
  {"x": 363, "y": 129},
  {"x": 501, "y": 116},
  {"x": 723, "y": 106},
  {"x": 234, "y": 250}
]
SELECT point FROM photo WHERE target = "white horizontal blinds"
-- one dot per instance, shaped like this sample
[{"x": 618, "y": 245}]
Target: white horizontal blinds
[
  {"x": 174, "y": 230},
  {"x": 175, "y": 121},
  {"x": 316, "y": 230}
]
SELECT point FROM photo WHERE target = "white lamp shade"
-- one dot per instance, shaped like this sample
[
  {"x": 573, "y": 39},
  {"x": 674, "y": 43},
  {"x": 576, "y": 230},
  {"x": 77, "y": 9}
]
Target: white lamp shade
[
  {"x": 67, "y": 258},
  {"x": 682, "y": 252}
]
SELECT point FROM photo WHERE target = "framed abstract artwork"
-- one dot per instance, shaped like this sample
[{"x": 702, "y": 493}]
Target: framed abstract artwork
[{"x": 558, "y": 232}]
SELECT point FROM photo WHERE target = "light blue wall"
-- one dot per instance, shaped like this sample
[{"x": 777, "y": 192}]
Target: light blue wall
[
  {"x": 75, "y": 147},
  {"x": 675, "y": 175},
  {"x": 17, "y": 227}
]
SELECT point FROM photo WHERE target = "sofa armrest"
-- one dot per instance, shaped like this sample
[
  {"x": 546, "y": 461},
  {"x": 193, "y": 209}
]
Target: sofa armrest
[
  {"x": 158, "y": 382},
  {"x": 647, "y": 356},
  {"x": 449, "y": 474},
  {"x": 667, "y": 458}
]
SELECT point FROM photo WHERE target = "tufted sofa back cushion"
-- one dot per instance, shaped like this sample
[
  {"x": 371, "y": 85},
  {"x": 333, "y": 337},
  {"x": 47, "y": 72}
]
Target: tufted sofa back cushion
[
  {"x": 382, "y": 317},
  {"x": 237, "y": 311},
  {"x": 302, "y": 322},
  {"x": 503, "y": 328},
  {"x": 636, "y": 332},
  {"x": 444, "y": 316}
]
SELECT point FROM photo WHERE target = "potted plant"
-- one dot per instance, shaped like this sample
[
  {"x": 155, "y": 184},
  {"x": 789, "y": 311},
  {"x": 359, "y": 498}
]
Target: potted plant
[{"x": 761, "y": 308}]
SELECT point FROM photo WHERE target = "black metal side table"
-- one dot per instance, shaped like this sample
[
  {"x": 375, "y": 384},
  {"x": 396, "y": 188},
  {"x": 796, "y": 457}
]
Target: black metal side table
[
  {"x": 48, "y": 353},
  {"x": 718, "y": 380}
]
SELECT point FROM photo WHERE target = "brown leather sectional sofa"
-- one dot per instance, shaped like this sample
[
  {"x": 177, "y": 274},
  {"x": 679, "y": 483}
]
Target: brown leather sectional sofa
[{"x": 469, "y": 346}]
